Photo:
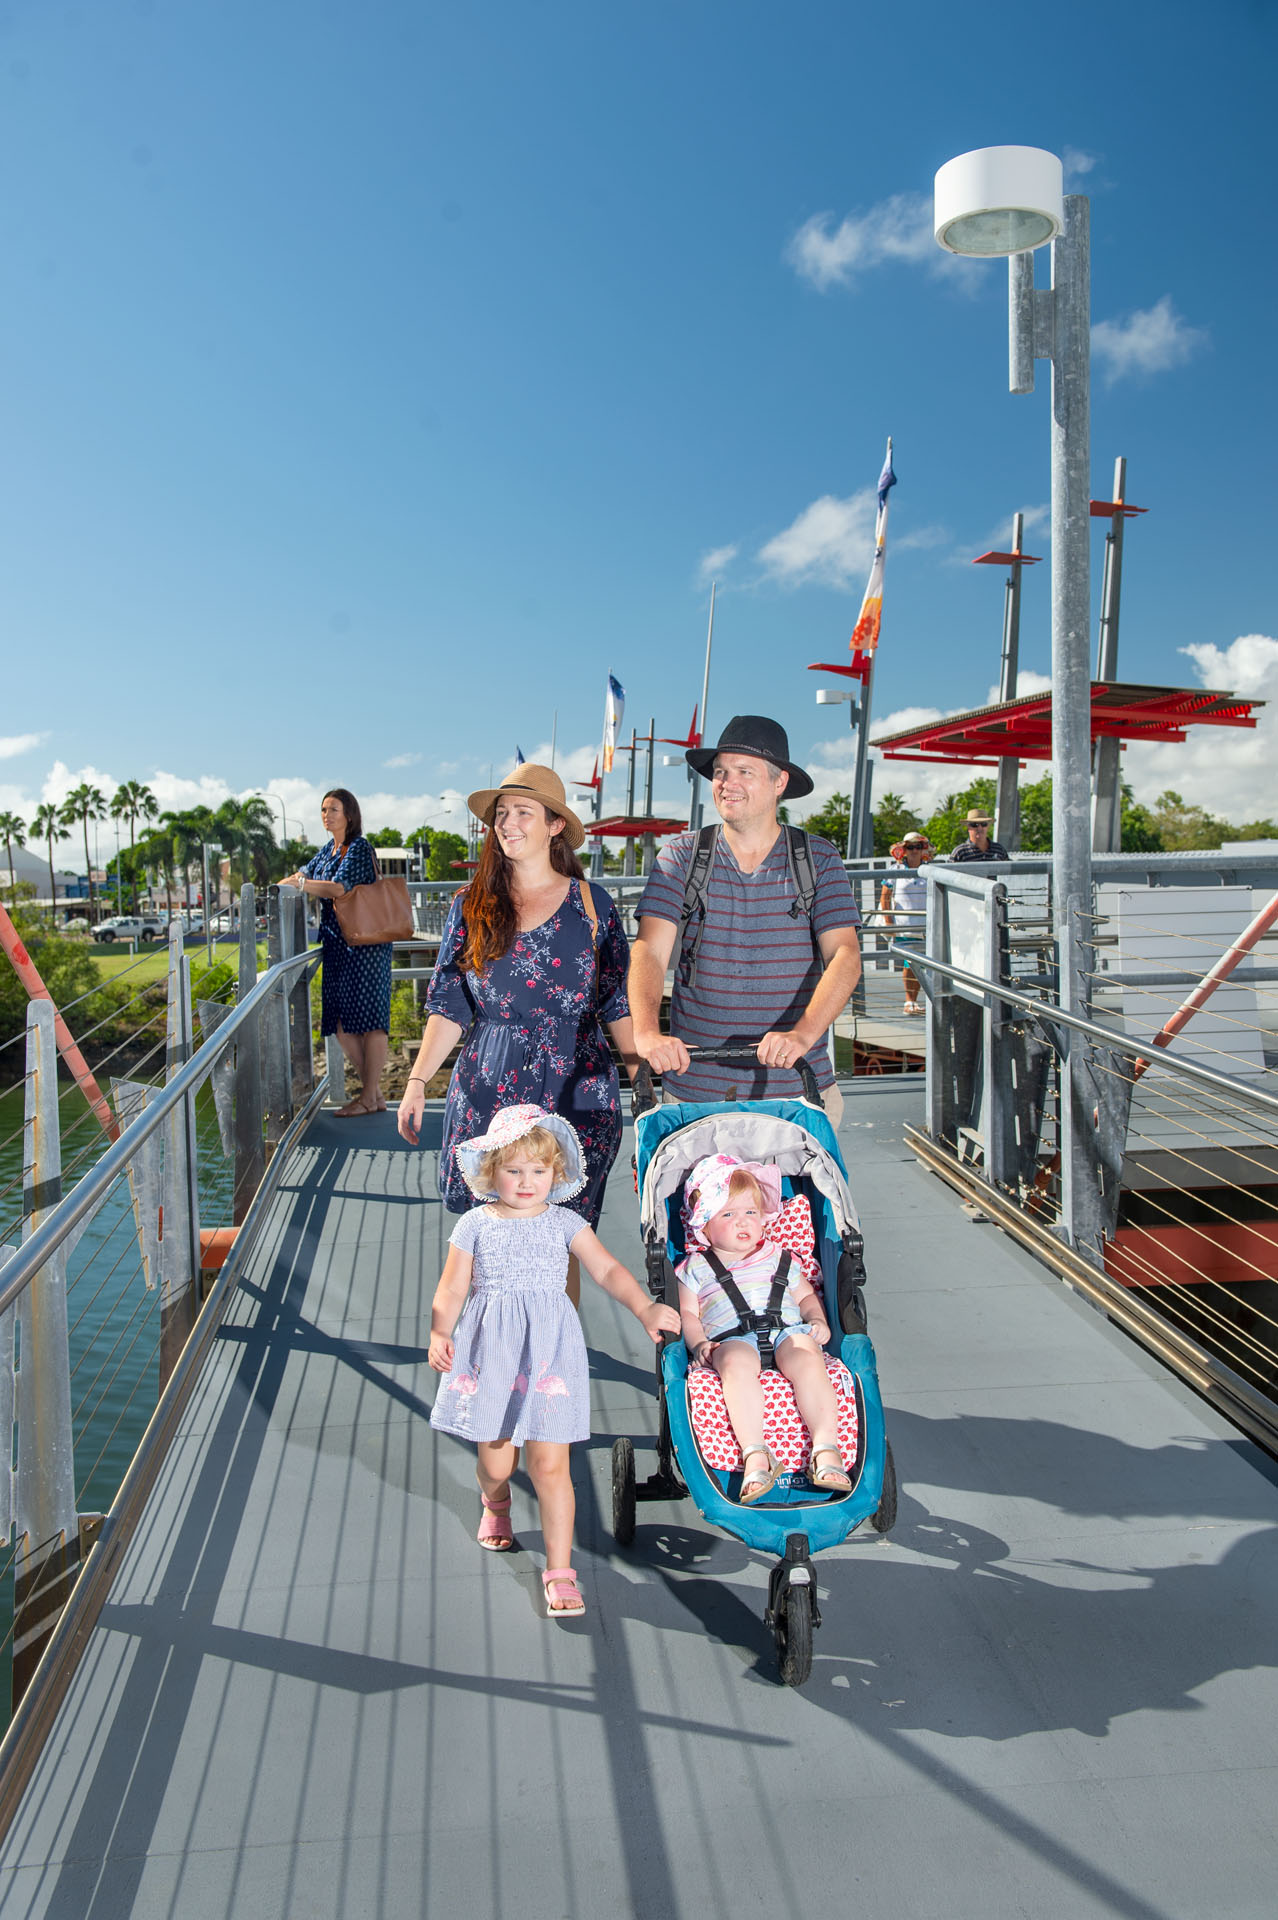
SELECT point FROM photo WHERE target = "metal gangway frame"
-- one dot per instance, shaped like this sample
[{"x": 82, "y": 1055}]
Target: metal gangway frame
[
  {"x": 259, "y": 1055},
  {"x": 996, "y": 1042}
]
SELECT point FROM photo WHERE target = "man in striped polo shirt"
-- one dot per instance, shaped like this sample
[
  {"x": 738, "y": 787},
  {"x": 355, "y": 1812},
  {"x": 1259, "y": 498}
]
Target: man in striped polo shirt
[{"x": 762, "y": 967}]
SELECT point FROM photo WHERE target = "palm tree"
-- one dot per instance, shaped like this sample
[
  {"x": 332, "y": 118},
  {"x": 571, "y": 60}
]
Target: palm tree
[
  {"x": 12, "y": 827},
  {"x": 132, "y": 801},
  {"x": 47, "y": 826},
  {"x": 190, "y": 831},
  {"x": 154, "y": 851},
  {"x": 246, "y": 829},
  {"x": 85, "y": 803}
]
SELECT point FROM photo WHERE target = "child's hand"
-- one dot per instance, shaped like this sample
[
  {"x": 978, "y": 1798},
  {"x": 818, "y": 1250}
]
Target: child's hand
[
  {"x": 440, "y": 1355},
  {"x": 819, "y": 1330},
  {"x": 660, "y": 1319},
  {"x": 701, "y": 1353}
]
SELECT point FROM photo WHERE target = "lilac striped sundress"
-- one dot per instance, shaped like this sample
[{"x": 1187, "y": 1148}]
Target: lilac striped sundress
[{"x": 519, "y": 1367}]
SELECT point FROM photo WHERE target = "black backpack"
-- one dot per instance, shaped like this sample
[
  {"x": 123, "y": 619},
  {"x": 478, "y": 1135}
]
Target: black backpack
[{"x": 798, "y": 849}]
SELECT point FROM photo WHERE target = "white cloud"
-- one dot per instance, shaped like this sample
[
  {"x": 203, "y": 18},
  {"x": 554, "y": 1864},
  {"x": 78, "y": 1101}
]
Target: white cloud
[
  {"x": 1077, "y": 164},
  {"x": 402, "y": 760},
  {"x": 1228, "y": 770},
  {"x": 1148, "y": 341},
  {"x": 899, "y": 228},
  {"x": 830, "y": 544},
  {"x": 714, "y": 563},
  {"x": 1027, "y": 682},
  {"x": 13, "y": 744}
]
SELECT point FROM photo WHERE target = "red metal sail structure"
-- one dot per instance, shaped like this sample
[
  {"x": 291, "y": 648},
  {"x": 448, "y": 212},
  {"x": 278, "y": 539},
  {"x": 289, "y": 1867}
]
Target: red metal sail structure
[{"x": 985, "y": 735}]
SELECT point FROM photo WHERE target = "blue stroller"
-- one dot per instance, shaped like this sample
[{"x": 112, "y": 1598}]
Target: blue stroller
[{"x": 795, "y": 1519}]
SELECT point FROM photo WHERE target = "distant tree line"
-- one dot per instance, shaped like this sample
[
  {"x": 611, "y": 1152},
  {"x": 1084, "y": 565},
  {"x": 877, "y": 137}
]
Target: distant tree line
[{"x": 1171, "y": 825}]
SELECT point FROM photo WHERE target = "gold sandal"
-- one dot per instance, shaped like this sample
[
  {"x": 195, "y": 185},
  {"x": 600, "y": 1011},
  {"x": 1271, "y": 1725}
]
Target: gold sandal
[{"x": 762, "y": 1483}]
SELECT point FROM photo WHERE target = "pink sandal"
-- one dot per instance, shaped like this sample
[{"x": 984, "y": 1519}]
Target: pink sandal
[
  {"x": 562, "y": 1577},
  {"x": 494, "y": 1526}
]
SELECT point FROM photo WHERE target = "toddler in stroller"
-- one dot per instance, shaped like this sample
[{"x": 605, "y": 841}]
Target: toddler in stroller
[{"x": 744, "y": 1306}]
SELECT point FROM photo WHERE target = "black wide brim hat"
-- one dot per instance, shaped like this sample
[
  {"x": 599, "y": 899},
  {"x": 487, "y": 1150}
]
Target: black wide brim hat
[{"x": 765, "y": 739}]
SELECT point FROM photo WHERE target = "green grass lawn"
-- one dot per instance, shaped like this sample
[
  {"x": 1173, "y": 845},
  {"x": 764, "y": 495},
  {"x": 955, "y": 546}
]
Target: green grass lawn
[{"x": 139, "y": 969}]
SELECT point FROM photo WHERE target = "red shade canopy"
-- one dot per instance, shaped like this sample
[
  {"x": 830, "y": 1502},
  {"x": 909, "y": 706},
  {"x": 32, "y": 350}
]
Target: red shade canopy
[
  {"x": 1024, "y": 727},
  {"x": 632, "y": 827}
]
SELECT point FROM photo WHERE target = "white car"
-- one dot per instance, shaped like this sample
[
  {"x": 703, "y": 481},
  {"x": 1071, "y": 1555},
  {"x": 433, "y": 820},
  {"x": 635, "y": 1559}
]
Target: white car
[{"x": 131, "y": 926}]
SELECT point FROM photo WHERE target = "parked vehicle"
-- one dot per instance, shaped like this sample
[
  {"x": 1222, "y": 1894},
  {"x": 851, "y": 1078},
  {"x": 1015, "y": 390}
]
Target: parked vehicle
[{"x": 130, "y": 926}]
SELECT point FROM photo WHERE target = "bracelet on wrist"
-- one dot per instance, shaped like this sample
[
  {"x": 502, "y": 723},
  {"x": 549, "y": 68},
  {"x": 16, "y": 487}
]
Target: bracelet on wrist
[{"x": 418, "y": 1078}]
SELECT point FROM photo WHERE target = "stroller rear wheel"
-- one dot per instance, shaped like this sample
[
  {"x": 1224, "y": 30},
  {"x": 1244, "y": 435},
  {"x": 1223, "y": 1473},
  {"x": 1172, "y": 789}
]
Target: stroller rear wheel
[
  {"x": 793, "y": 1629},
  {"x": 883, "y": 1519},
  {"x": 623, "y": 1492}
]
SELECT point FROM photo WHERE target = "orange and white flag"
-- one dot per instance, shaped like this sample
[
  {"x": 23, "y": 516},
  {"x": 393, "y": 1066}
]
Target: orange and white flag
[{"x": 865, "y": 634}]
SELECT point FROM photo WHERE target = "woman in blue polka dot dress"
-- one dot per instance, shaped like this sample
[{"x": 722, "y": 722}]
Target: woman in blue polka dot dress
[{"x": 356, "y": 981}]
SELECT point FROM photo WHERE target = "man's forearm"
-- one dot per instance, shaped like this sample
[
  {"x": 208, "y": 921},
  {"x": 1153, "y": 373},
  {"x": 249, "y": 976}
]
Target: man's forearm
[
  {"x": 645, "y": 987},
  {"x": 833, "y": 991}
]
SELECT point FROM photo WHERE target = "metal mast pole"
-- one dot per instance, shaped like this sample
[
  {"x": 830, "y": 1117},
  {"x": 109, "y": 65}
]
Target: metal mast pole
[
  {"x": 696, "y": 805},
  {"x": 628, "y": 858},
  {"x": 647, "y": 790},
  {"x": 1081, "y": 1217},
  {"x": 859, "y": 829},
  {"x": 1107, "y": 823},
  {"x": 1007, "y": 807}
]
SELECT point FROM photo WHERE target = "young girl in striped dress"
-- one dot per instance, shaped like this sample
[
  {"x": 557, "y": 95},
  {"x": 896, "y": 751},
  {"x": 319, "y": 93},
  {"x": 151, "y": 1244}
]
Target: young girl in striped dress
[{"x": 505, "y": 1335}]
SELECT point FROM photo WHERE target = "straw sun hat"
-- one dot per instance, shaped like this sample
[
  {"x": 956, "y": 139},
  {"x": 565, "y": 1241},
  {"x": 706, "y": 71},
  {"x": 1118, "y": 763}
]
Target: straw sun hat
[{"x": 538, "y": 783}]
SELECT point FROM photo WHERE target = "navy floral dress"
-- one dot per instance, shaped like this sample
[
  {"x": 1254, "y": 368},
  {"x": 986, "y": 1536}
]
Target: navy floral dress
[
  {"x": 356, "y": 982},
  {"x": 534, "y": 1035}
]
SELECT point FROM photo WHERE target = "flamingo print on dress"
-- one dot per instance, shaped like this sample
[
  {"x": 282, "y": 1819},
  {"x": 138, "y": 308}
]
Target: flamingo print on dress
[
  {"x": 550, "y": 1383},
  {"x": 465, "y": 1383},
  {"x": 520, "y": 1383}
]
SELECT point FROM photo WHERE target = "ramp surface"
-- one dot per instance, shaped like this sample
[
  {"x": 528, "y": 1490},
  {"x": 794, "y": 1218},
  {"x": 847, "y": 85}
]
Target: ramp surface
[{"x": 1052, "y": 1692}]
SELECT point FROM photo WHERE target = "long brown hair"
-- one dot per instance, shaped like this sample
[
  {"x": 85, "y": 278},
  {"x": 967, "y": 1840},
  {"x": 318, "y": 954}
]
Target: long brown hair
[{"x": 488, "y": 907}]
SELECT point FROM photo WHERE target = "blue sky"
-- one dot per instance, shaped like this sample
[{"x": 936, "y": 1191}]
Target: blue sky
[{"x": 373, "y": 379}]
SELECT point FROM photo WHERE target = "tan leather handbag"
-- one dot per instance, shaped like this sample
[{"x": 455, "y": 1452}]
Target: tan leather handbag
[{"x": 376, "y": 912}]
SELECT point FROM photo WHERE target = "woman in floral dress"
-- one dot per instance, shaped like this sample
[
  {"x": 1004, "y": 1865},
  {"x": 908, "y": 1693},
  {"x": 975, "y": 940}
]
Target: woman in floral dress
[{"x": 531, "y": 979}]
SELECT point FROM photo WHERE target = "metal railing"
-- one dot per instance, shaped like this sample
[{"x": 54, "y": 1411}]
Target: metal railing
[
  {"x": 1168, "y": 1214},
  {"x": 113, "y": 1272}
]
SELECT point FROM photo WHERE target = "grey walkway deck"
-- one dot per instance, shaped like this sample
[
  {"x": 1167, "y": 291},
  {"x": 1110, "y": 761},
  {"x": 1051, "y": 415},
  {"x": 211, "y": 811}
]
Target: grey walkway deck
[{"x": 1052, "y": 1692}]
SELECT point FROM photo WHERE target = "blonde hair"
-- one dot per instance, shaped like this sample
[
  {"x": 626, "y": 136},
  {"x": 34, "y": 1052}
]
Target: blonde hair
[{"x": 538, "y": 1144}]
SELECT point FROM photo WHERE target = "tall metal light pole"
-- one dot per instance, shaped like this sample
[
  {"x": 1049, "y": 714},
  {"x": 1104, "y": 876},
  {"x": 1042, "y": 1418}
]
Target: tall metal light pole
[
  {"x": 696, "y": 805},
  {"x": 1009, "y": 201},
  {"x": 264, "y": 795}
]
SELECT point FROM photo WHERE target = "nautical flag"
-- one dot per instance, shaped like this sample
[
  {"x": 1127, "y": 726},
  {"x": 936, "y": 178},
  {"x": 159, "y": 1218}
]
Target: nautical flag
[
  {"x": 614, "y": 707},
  {"x": 865, "y": 634},
  {"x": 519, "y": 757}
]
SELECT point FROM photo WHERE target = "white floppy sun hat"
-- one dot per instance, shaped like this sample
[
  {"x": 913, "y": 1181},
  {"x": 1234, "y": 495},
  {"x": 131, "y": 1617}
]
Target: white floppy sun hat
[{"x": 510, "y": 1124}]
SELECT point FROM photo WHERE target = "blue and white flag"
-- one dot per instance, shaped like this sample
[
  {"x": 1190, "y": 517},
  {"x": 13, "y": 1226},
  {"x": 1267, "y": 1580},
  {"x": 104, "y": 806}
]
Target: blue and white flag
[
  {"x": 614, "y": 707},
  {"x": 519, "y": 757}
]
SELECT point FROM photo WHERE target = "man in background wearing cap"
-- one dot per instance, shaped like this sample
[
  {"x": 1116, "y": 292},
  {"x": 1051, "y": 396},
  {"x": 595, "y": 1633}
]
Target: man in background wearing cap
[
  {"x": 761, "y": 966},
  {"x": 978, "y": 845},
  {"x": 908, "y": 895}
]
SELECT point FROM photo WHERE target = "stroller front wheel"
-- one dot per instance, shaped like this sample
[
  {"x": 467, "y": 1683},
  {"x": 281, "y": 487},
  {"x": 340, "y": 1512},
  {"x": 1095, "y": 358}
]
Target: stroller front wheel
[
  {"x": 623, "y": 1492},
  {"x": 793, "y": 1629}
]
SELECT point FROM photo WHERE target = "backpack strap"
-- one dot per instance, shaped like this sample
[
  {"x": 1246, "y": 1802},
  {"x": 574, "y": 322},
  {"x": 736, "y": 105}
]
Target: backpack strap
[
  {"x": 798, "y": 849},
  {"x": 696, "y": 893}
]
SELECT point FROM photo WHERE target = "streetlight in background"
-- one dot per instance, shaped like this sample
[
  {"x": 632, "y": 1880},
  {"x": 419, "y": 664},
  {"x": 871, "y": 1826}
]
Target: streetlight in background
[
  {"x": 264, "y": 795},
  {"x": 1009, "y": 201},
  {"x": 827, "y": 697}
]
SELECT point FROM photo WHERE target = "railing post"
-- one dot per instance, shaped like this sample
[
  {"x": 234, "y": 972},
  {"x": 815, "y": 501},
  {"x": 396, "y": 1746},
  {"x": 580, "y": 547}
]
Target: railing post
[
  {"x": 44, "y": 1502},
  {"x": 277, "y": 1077},
  {"x": 335, "y": 1067},
  {"x": 250, "y": 1151},
  {"x": 180, "y": 1233},
  {"x": 302, "y": 1048},
  {"x": 999, "y": 1116}
]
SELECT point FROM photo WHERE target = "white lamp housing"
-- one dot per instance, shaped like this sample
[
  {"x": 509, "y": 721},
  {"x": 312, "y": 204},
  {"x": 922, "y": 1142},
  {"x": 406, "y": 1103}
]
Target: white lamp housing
[
  {"x": 999, "y": 200},
  {"x": 827, "y": 697}
]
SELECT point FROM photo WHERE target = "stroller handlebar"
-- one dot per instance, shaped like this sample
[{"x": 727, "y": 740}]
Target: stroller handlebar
[{"x": 739, "y": 1053}]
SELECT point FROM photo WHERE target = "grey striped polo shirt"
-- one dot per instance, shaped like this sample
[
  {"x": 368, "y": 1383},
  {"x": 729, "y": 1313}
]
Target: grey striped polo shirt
[{"x": 757, "y": 968}]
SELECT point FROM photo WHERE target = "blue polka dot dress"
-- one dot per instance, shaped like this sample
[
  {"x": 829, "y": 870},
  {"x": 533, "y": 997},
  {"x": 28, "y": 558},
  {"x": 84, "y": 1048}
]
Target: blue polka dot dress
[{"x": 356, "y": 981}]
